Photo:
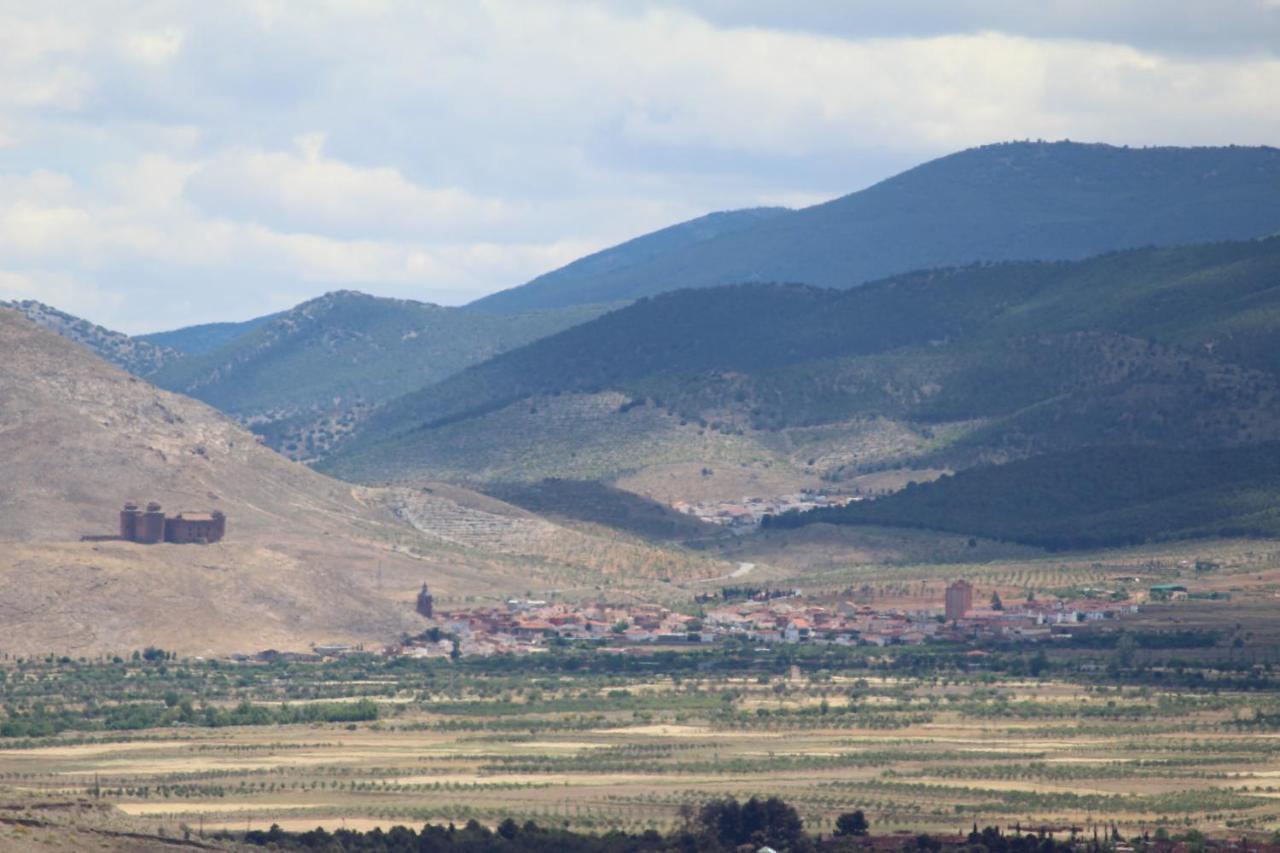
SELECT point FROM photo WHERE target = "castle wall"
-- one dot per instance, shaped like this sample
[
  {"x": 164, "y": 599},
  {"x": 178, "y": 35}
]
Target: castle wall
[
  {"x": 151, "y": 526},
  {"x": 182, "y": 531}
]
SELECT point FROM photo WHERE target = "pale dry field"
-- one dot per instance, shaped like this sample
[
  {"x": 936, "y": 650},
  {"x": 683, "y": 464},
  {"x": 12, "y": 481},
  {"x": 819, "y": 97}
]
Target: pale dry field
[{"x": 923, "y": 755}]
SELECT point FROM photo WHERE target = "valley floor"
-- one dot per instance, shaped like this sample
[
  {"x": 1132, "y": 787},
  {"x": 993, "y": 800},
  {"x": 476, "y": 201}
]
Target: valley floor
[{"x": 921, "y": 742}]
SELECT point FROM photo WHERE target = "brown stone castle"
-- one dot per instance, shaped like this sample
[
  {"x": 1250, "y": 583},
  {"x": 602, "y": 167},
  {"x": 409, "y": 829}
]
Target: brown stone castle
[{"x": 150, "y": 526}]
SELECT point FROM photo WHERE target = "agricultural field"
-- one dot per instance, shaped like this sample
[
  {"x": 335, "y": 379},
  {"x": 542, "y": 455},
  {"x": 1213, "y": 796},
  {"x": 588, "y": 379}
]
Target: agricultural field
[{"x": 925, "y": 740}]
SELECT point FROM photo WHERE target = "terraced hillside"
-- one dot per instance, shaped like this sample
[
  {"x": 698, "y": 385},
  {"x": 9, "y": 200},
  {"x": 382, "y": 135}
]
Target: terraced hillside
[{"x": 580, "y": 559}]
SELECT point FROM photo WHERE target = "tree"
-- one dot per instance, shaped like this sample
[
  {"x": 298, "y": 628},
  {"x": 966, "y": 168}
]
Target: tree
[
  {"x": 996, "y": 603},
  {"x": 1039, "y": 664},
  {"x": 1125, "y": 647},
  {"x": 771, "y": 822},
  {"x": 852, "y": 823}
]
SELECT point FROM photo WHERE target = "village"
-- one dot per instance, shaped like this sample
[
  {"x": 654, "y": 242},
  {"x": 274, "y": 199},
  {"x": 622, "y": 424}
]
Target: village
[{"x": 769, "y": 617}]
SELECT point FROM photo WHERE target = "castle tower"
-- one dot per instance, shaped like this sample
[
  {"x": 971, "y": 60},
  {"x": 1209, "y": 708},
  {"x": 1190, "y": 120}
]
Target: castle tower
[
  {"x": 130, "y": 521},
  {"x": 959, "y": 600},
  {"x": 425, "y": 602},
  {"x": 151, "y": 530}
]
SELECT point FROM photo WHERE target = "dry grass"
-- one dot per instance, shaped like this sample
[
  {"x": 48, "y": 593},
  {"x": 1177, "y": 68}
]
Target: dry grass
[{"x": 306, "y": 558}]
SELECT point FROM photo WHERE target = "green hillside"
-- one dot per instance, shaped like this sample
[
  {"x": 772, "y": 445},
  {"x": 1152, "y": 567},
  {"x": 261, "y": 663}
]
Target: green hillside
[
  {"x": 597, "y": 503},
  {"x": 195, "y": 340},
  {"x": 306, "y": 376},
  {"x": 1089, "y": 498},
  {"x": 1010, "y": 201},
  {"x": 565, "y": 286},
  {"x": 1168, "y": 347}
]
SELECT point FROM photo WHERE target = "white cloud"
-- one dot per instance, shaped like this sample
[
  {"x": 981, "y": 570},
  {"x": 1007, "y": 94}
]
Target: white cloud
[
  {"x": 57, "y": 288},
  {"x": 306, "y": 189},
  {"x": 251, "y": 154},
  {"x": 154, "y": 48}
]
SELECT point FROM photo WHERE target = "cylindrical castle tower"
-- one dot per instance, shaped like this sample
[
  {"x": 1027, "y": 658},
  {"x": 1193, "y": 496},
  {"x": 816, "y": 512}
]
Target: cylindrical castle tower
[
  {"x": 151, "y": 530},
  {"x": 130, "y": 521}
]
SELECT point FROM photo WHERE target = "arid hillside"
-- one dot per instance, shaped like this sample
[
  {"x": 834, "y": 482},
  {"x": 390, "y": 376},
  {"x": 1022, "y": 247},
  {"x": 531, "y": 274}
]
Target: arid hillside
[{"x": 306, "y": 559}]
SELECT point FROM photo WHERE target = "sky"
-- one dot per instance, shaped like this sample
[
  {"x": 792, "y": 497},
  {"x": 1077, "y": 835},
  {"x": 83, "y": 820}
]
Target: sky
[{"x": 171, "y": 163}]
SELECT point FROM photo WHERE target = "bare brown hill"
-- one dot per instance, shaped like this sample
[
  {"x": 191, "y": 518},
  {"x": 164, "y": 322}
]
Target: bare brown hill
[{"x": 306, "y": 559}]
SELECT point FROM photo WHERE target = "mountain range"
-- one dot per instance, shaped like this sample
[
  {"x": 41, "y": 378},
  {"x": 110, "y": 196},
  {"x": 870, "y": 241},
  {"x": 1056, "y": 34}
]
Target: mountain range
[
  {"x": 1015, "y": 302},
  {"x": 303, "y": 378},
  {"x": 1011, "y": 201},
  {"x": 1171, "y": 347}
]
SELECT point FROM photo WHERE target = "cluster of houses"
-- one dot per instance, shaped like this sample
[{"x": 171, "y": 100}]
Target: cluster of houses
[
  {"x": 850, "y": 623},
  {"x": 522, "y": 627},
  {"x": 746, "y": 514}
]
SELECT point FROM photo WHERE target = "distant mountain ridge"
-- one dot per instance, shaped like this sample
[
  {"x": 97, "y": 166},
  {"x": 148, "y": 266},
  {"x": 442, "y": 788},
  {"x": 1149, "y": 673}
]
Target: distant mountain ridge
[
  {"x": 1009, "y": 201},
  {"x": 302, "y": 378},
  {"x": 136, "y": 355},
  {"x": 196, "y": 340},
  {"x": 1175, "y": 347},
  {"x": 566, "y": 285}
]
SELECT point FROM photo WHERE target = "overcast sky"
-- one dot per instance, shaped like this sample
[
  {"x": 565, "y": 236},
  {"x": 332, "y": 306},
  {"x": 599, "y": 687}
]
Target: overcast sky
[{"x": 170, "y": 163}]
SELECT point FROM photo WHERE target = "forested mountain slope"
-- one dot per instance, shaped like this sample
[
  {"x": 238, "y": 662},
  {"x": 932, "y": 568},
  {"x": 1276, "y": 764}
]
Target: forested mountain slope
[
  {"x": 1010, "y": 201},
  {"x": 306, "y": 376},
  {"x": 198, "y": 339},
  {"x": 1169, "y": 347},
  {"x": 568, "y": 284},
  {"x": 1088, "y": 498}
]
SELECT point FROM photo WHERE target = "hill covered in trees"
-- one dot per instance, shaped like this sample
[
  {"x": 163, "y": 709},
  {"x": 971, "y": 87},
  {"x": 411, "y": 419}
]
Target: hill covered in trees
[
  {"x": 303, "y": 377},
  {"x": 1089, "y": 498},
  {"x": 568, "y": 284},
  {"x": 1010, "y": 201},
  {"x": 1168, "y": 348},
  {"x": 198, "y": 339}
]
